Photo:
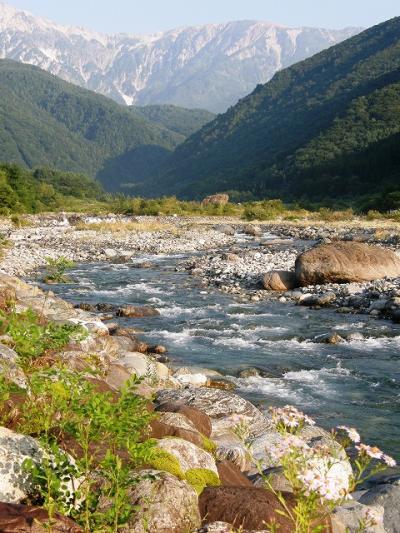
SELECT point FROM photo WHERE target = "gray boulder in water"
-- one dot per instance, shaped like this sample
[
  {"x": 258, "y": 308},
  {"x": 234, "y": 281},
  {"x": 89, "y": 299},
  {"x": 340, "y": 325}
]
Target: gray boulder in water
[{"x": 345, "y": 262}]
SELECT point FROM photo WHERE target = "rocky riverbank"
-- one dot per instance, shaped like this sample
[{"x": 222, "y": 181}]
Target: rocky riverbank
[
  {"x": 213, "y": 432},
  {"x": 240, "y": 271}
]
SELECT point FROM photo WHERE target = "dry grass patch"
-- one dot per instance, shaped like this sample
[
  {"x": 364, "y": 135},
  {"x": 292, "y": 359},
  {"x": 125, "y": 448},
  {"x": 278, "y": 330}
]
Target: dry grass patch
[{"x": 127, "y": 227}]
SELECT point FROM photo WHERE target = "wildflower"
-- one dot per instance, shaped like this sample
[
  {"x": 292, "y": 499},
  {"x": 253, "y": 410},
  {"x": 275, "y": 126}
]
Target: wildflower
[
  {"x": 388, "y": 460},
  {"x": 371, "y": 451},
  {"x": 328, "y": 479},
  {"x": 288, "y": 445},
  {"x": 352, "y": 433},
  {"x": 290, "y": 417}
]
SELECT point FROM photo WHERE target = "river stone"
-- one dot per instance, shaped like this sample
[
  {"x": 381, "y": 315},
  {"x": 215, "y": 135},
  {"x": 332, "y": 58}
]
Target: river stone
[
  {"x": 143, "y": 366},
  {"x": 199, "y": 419},
  {"x": 245, "y": 507},
  {"x": 14, "y": 450},
  {"x": 387, "y": 496},
  {"x": 216, "y": 527},
  {"x": 252, "y": 230},
  {"x": 231, "y": 476},
  {"x": 24, "y": 519},
  {"x": 164, "y": 504},
  {"x": 345, "y": 262},
  {"x": 137, "y": 311},
  {"x": 221, "y": 406},
  {"x": 9, "y": 367},
  {"x": 194, "y": 380},
  {"x": 279, "y": 280},
  {"x": 188, "y": 454},
  {"x": 347, "y": 518},
  {"x": 177, "y": 420}
]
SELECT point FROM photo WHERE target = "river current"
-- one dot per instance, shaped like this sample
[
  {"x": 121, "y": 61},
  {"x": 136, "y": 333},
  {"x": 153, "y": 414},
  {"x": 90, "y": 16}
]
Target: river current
[{"x": 355, "y": 383}]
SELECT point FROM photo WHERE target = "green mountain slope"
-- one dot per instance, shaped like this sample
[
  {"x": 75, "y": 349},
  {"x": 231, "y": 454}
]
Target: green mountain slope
[
  {"x": 326, "y": 127},
  {"x": 26, "y": 191},
  {"x": 183, "y": 121},
  {"x": 45, "y": 121}
]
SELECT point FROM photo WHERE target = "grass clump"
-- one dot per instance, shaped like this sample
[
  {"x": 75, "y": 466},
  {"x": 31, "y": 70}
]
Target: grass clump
[
  {"x": 200, "y": 478},
  {"x": 56, "y": 270}
]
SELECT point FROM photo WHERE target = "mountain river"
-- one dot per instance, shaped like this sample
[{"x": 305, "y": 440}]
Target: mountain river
[{"x": 355, "y": 383}]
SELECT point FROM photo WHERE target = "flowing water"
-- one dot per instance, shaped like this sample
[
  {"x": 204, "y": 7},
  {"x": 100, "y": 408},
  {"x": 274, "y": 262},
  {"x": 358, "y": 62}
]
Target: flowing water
[{"x": 355, "y": 383}]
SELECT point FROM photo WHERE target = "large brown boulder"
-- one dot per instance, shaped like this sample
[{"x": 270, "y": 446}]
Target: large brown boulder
[
  {"x": 247, "y": 507},
  {"x": 244, "y": 507},
  {"x": 200, "y": 420},
  {"x": 216, "y": 199},
  {"x": 279, "y": 280},
  {"x": 345, "y": 262},
  {"x": 32, "y": 520},
  {"x": 231, "y": 476}
]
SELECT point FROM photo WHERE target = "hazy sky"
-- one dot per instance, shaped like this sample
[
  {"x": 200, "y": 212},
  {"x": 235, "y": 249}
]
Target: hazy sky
[{"x": 145, "y": 16}]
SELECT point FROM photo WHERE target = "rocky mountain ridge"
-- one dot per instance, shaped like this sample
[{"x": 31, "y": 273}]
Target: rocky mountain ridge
[{"x": 209, "y": 66}]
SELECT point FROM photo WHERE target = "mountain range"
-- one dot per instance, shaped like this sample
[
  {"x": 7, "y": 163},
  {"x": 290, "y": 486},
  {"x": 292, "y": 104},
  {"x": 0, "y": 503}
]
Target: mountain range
[
  {"x": 209, "y": 67},
  {"x": 327, "y": 127}
]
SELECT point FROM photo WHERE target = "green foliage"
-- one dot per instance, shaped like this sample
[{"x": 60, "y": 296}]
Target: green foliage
[
  {"x": 56, "y": 268},
  {"x": 93, "y": 486},
  {"x": 166, "y": 462},
  {"x": 265, "y": 210},
  {"x": 32, "y": 336},
  {"x": 177, "y": 119},
  {"x": 23, "y": 191},
  {"x": 327, "y": 127},
  {"x": 46, "y": 122},
  {"x": 200, "y": 478}
]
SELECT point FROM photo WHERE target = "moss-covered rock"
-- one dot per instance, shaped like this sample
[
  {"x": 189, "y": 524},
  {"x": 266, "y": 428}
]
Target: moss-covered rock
[
  {"x": 200, "y": 478},
  {"x": 166, "y": 462},
  {"x": 208, "y": 445}
]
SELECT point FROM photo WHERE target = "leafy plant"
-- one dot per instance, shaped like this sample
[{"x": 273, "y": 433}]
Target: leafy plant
[
  {"x": 56, "y": 268},
  {"x": 109, "y": 436},
  {"x": 32, "y": 336}
]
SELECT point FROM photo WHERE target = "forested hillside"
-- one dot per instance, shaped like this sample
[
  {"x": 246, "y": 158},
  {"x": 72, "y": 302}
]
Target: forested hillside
[
  {"x": 26, "y": 191},
  {"x": 183, "y": 121},
  {"x": 326, "y": 127},
  {"x": 45, "y": 121}
]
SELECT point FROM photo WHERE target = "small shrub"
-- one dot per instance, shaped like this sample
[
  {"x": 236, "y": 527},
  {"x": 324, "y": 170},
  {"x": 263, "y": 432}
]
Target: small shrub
[
  {"x": 56, "y": 268},
  {"x": 108, "y": 433},
  {"x": 32, "y": 337},
  {"x": 265, "y": 210},
  {"x": 19, "y": 222}
]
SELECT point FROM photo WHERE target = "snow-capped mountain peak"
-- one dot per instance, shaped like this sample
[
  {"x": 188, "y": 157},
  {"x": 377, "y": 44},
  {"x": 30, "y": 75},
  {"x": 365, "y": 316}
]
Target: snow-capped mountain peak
[{"x": 209, "y": 66}]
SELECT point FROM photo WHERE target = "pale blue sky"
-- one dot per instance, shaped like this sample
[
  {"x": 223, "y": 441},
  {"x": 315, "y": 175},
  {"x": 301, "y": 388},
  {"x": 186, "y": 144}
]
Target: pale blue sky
[{"x": 145, "y": 16}]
